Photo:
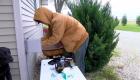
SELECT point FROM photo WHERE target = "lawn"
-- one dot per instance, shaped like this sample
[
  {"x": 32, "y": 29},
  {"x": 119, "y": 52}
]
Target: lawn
[{"x": 131, "y": 26}]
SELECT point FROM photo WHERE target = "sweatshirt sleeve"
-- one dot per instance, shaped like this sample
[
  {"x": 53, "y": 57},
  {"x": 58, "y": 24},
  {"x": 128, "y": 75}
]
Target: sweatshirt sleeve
[{"x": 58, "y": 29}]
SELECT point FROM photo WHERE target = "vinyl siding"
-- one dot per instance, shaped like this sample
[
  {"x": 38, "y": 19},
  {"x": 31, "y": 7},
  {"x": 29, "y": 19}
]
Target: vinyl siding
[
  {"x": 28, "y": 24},
  {"x": 8, "y": 36},
  {"x": 30, "y": 28},
  {"x": 6, "y": 2},
  {"x": 6, "y": 24}
]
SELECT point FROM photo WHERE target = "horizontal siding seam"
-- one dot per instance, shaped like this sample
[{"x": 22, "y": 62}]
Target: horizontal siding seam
[
  {"x": 6, "y": 16},
  {"x": 9, "y": 42},
  {"x": 14, "y": 68},
  {"x": 5, "y": 13},
  {"x": 6, "y": 5},
  {"x": 7, "y": 34},
  {"x": 29, "y": 25},
  {"x": 12, "y": 48},
  {"x": 18, "y": 74},
  {"x": 14, "y": 54},
  {"x": 33, "y": 32},
  {"x": 28, "y": 16},
  {"x": 16, "y": 61},
  {"x": 6, "y": 27},
  {"x": 28, "y": 20},
  {"x": 27, "y": 31},
  {"x": 11, "y": 67},
  {"x": 8, "y": 9},
  {"x": 6, "y": 20}
]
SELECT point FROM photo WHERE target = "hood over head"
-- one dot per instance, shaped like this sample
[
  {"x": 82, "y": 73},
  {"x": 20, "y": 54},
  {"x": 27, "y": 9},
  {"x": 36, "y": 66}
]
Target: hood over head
[{"x": 43, "y": 15}]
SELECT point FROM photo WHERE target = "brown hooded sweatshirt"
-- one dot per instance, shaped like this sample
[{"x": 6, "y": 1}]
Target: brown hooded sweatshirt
[{"x": 62, "y": 28}]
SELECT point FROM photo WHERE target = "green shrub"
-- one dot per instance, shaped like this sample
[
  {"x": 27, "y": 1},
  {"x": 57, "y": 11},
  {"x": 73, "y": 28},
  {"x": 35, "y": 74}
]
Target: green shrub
[
  {"x": 116, "y": 21},
  {"x": 100, "y": 25},
  {"x": 138, "y": 20},
  {"x": 124, "y": 20}
]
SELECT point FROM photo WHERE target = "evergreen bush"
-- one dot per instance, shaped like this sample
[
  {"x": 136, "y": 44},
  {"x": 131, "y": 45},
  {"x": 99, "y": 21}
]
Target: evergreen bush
[
  {"x": 100, "y": 25},
  {"x": 138, "y": 20},
  {"x": 124, "y": 20},
  {"x": 116, "y": 21}
]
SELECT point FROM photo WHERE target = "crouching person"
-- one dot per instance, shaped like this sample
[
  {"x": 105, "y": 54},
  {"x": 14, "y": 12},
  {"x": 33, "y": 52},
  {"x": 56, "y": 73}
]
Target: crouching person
[{"x": 66, "y": 30}]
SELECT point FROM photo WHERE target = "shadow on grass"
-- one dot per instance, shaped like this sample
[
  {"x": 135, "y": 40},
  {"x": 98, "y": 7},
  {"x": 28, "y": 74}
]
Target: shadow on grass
[{"x": 107, "y": 73}]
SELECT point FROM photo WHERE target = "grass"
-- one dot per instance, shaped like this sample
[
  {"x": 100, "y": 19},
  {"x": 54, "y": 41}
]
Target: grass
[
  {"x": 107, "y": 73},
  {"x": 131, "y": 26},
  {"x": 116, "y": 53}
]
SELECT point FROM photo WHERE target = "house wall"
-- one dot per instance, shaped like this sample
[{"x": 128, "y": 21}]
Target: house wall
[
  {"x": 8, "y": 35},
  {"x": 32, "y": 33},
  {"x": 15, "y": 14},
  {"x": 27, "y": 12}
]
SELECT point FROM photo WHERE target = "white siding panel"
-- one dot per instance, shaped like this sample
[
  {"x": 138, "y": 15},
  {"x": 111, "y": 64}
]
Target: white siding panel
[
  {"x": 6, "y": 9},
  {"x": 27, "y": 18},
  {"x": 15, "y": 57},
  {"x": 8, "y": 45},
  {"x": 13, "y": 52},
  {"x": 7, "y": 34},
  {"x": 31, "y": 3},
  {"x": 8, "y": 38},
  {"x": 14, "y": 65},
  {"x": 31, "y": 33},
  {"x": 26, "y": 9},
  {"x": 6, "y": 2},
  {"x": 28, "y": 29},
  {"x": 27, "y": 5},
  {"x": 26, "y": 23},
  {"x": 27, "y": 12},
  {"x": 6, "y": 17},
  {"x": 7, "y": 31},
  {"x": 5, "y": 24},
  {"x": 29, "y": 26},
  {"x": 15, "y": 72},
  {"x": 17, "y": 77}
]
